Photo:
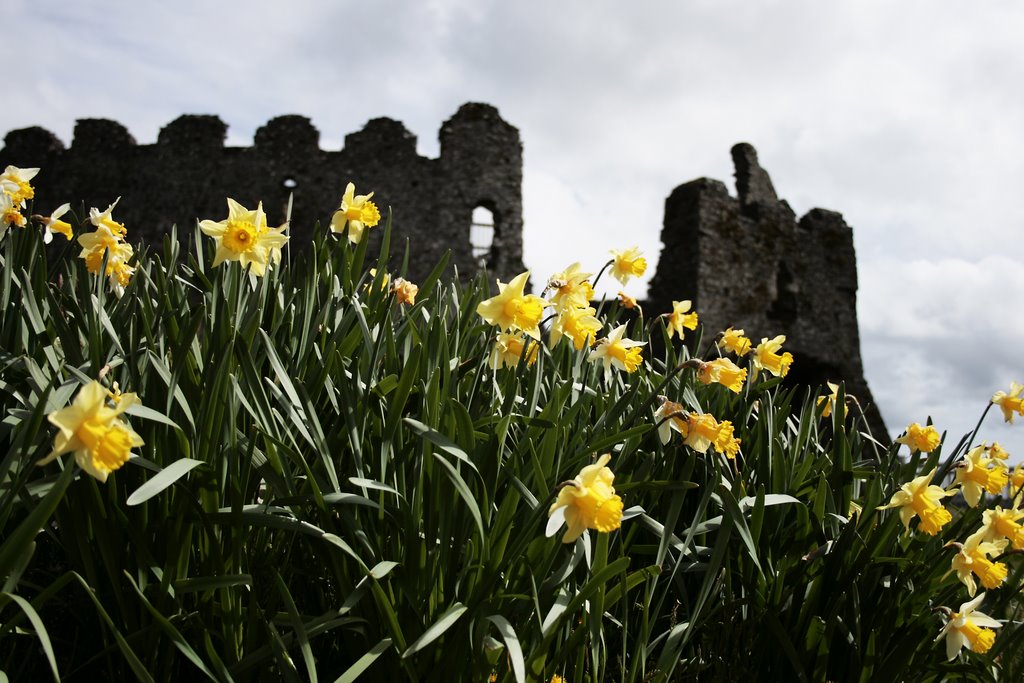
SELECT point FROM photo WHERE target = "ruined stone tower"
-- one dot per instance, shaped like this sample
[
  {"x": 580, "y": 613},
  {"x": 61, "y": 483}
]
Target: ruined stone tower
[
  {"x": 747, "y": 262},
  {"x": 188, "y": 173}
]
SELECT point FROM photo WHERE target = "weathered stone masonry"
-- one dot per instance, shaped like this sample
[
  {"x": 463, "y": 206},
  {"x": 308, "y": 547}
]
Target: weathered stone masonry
[{"x": 745, "y": 261}]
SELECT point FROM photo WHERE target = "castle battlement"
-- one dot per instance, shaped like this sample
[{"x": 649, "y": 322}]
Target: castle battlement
[{"x": 187, "y": 174}]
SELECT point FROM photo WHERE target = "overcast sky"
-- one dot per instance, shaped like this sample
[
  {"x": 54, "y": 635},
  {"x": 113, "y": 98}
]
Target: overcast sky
[{"x": 907, "y": 117}]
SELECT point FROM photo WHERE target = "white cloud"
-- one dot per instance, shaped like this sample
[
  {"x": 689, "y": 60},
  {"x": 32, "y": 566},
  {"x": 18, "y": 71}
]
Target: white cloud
[{"x": 940, "y": 337}]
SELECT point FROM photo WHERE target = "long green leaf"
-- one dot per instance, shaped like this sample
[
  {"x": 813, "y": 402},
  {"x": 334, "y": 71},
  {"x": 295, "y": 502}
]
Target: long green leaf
[
  {"x": 437, "y": 629},
  {"x": 166, "y": 477},
  {"x": 18, "y": 542}
]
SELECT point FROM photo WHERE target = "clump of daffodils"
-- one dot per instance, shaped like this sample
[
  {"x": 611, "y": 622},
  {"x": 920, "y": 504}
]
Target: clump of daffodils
[
  {"x": 93, "y": 429},
  {"x": 15, "y": 190},
  {"x": 575, "y": 319},
  {"x": 587, "y": 501},
  {"x": 244, "y": 236},
  {"x": 108, "y": 241},
  {"x": 10, "y": 215}
]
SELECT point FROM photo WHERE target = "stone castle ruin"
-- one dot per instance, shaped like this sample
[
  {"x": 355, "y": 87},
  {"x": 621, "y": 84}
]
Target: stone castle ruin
[
  {"x": 745, "y": 261},
  {"x": 188, "y": 173}
]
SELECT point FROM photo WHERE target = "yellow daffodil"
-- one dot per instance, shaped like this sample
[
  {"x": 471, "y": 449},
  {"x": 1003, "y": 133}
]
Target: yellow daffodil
[
  {"x": 588, "y": 501},
  {"x": 385, "y": 281},
  {"x": 108, "y": 240},
  {"x": 830, "y": 399},
  {"x": 998, "y": 523},
  {"x": 508, "y": 351},
  {"x": 628, "y": 263},
  {"x": 119, "y": 276},
  {"x": 96, "y": 244},
  {"x": 973, "y": 560},
  {"x": 513, "y": 309},
  {"x": 10, "y": 215},
  {"x": 244, "y": 236},
  {"x": 1010, "y": 403},
  {"x": 627, "y": 302},
  {"x": 558, "y": 679},
  {"x": 570, "y": 288},
  {"x": 725, "y": 442},
  {"x": 977, "y": 474},
  {"x": 733, "y": 341},
  {"x": 578, "y": 324},
  {"x": 100, "y": 439},
  {"x": 680, "y": 319},
  {"x": 15, "y": 184},
  {"x": 970, "y": 628},
  {"x": 1017, "y": 478},
  {"x": 997, "y": 452},
  {"x": 920, "y": 498},
  {"x": 405, "y": 291},
  {"x": 105, "y": 219},
  {"x": 102, "y": 242},
  {"x": 53, "y": 223},
  {"x": 115, "y": 394},
  {"x": 356, "y": 211},
  {"x": 670, "y": 417},
  {"x": 767, "y": 356},
  {"x": 700, "y": 431},
  {"x": 615, "y": 350},
  {"x": 918, "y": 438},
  {"x": 724, "y": 372}
]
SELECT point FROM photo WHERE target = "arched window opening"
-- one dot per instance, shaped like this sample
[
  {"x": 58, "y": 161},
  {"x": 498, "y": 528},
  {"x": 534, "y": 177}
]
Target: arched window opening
[
  {"x": 481, "y": 235},
  {"x": 785, "y": 307}
]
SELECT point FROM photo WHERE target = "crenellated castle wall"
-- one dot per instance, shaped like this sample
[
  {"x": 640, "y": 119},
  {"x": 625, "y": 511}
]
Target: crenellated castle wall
[{"x": 187, "y": 174}]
